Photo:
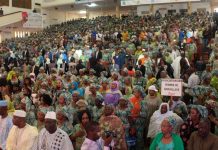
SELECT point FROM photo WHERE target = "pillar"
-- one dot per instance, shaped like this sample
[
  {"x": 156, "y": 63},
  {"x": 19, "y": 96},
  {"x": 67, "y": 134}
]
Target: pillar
[
  {"x": 151, "y": 9},
  {"x": 10, "y": 3},
  {"x": 117, "y": 8},
  {"x": 87, "y": 13},
  {"x": 212, "y": 6},
  {"x": 189, "y": 6}
]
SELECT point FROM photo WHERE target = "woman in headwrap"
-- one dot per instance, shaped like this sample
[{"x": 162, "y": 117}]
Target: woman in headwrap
[
  {"x": 5, "y": 94},
  {"x": 40, "y": 119},
  {"x": 138, "y": 115},
  {"x": 196, "y": 113},
  {"x": 113, "y": 95},
  {"x": 104, "y": 87},
  {"x": 157, "y": 118},
  {"x": 12, "y": 80},
  {"x": 167, "y": 139},
  {"x": 127, "y": 84},
  {"x": 112, "y": 124},
  {"x": 214, "y": 80},
  {"x": 128, "y": 93},
  {"x": 92, "y": 76},
  {"x": 62, "y": 103},
  {"x": 123, "y": 76},
  {"x": 74, "y": 87},
  {"x": 63, "y": 121},
  {"x": 114, "y": 76},
  {"x": 97, "y": 110},
  {"x": 90, "y": 98},
  {"x": 150, "y": 80},
  {"x": 28, "y": 106},
  {"x": 123, "y": 111},
  {"x": 138, "y": 79},
  {"x": 153, "y": 100}
]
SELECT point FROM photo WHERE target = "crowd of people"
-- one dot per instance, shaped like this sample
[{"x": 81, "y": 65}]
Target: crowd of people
[{"x": 95, "y": 84}]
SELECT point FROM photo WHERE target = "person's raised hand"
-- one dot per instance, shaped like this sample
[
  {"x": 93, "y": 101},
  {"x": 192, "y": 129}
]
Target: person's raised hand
[
  {"x": 107, "y": 140},
  {"x": 80, "y": 133}
]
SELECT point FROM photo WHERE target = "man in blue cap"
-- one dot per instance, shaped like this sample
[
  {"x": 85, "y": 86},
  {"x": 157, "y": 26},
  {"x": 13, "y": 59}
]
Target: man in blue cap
[{"x": 5, "y": 124}]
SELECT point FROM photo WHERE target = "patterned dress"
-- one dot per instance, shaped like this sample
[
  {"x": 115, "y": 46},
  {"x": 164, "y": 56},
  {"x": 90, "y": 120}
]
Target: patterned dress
[
  {"x": 139, "y": 113},
  {"x": 30, "y": 109},
  {"x": 91, "y": 99},
  {"x": 97, "y": 113},
  {"x": 186, "y": 130},
  {"x": 180, "y": 108},
  {"x": 139, "y": 82},
  {"x": 79, "y": 140},
  {"x": 123, "y": 114},
  {"x": 67, "y": 127},
  {"x": 114, "y": 124}
]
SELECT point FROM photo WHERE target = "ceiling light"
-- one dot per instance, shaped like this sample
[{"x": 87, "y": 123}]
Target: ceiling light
[
  {"x": 82, "y": 12},
  {"x": 92, "y": 5}
]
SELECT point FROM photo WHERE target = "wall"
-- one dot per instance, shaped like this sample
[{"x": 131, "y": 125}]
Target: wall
[
  {"x": 51, "y": 3},
  {"x": 19, "y": 32},
  {"x": 6, "y": 20},
  {"x": 165, "y": 7},
  {"x": 52, "y": 16},
  {"x": 6, "y": 35},
  {"x": 93, "y": 14}
]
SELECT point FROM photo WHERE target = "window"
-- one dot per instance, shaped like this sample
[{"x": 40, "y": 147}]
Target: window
[
  {"x": 22, "y": 4},
  {"x": 172, "y": 11},
  {"x": 4, "y": 2}
]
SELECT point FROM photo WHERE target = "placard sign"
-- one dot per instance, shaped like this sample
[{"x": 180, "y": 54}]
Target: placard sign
[{"x": 171, "y": 87}]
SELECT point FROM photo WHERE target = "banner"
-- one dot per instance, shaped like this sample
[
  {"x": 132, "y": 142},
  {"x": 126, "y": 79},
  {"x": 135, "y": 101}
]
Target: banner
[
  {"x": 86, "y": 1},
  {"x": 171, "y": 87},
  {"x": 32, "y": 20},
  {"x": 143, "y": 2}
]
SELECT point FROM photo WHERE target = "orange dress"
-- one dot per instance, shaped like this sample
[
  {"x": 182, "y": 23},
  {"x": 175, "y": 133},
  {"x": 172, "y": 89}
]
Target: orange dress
[{"x": 136, "y": 106}]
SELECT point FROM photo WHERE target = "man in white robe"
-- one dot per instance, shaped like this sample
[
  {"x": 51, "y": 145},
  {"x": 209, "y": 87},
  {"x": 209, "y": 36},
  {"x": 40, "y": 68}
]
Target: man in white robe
[
  {"x": 22, "y": 135},
  {"x": 176, "y": 66},
  {"x": 51, "y": 137},
  {"x": 5, "y": 124}
]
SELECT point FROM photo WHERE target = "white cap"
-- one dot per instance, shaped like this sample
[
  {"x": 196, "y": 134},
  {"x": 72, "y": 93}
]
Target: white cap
[
  {"x": 152, "y": 88},
  {"x": 20, "y": 113},
  {"x": 50, "y": 115}
]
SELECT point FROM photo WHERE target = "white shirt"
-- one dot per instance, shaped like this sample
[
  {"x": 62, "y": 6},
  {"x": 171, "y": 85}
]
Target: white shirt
[
  {"x": 48, "y": 61},
  {"x": 5, "y": 126},
  {"x": 94, "y": 145},
  {"x": 174, "y": 55},
  {"x": 21, "y": 138},
  {"x": 99, "y": 37}
]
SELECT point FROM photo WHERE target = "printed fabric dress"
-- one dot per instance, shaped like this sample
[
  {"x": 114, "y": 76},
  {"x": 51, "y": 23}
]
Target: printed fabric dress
[
  {"x": 114, "y": 124},
  {"x": 79, "y": 141},
  {"x": 140, "y": 110},
  {"x": 67, "y": 127},
  {"x": 123, "y": 115}
]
